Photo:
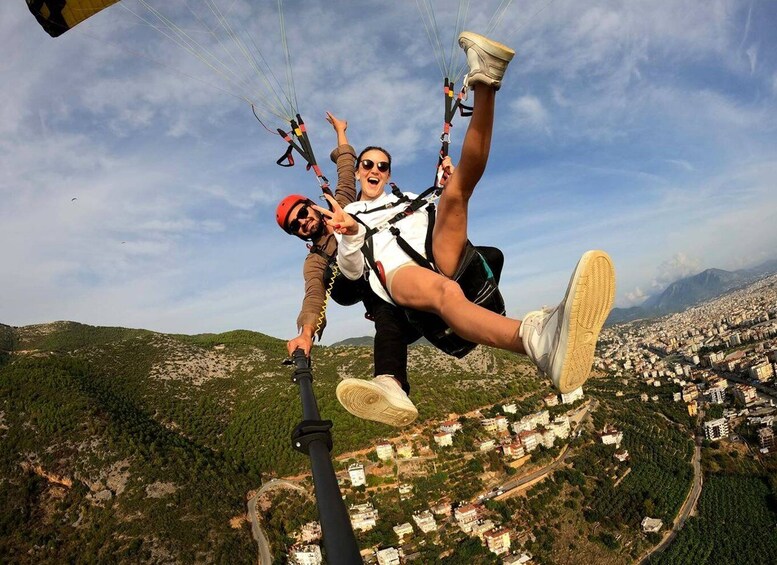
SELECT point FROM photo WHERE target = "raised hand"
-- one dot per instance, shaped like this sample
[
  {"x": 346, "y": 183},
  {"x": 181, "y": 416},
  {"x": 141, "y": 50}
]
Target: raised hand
[
  {"x": 339, "y": 220},
  {"x": 339, "y": 125}
]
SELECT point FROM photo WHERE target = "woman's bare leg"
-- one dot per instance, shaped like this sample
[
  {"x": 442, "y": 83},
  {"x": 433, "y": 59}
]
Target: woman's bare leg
[
  {"x": 450, "y": 229},
  {"x": 422, "y": 289}
]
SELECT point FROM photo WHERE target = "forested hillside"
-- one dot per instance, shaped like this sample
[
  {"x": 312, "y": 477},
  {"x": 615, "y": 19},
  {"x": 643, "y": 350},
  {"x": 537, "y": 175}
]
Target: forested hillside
[{"x": 143, "y": 446}]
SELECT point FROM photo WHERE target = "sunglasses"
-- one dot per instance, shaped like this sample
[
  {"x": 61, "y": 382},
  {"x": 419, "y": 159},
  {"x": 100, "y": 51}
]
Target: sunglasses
[
  {"x": 367, "y": 165},
  {"x": 294, "y": 225}
]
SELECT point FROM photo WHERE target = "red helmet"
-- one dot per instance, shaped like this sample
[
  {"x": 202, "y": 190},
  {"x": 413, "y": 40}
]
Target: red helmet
[{"x": 285, "y": 207}]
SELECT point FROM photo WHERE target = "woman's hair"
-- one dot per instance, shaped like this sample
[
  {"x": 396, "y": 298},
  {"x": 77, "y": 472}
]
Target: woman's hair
[{"x": 376, "y": 148}]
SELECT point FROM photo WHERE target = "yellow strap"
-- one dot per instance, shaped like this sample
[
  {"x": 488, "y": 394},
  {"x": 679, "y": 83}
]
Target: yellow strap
[{"x": 330, "y": 286}]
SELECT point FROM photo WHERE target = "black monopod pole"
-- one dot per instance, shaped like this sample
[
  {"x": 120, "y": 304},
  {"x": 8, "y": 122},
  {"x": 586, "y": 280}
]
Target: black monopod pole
[{"x": 313, "y": 437}]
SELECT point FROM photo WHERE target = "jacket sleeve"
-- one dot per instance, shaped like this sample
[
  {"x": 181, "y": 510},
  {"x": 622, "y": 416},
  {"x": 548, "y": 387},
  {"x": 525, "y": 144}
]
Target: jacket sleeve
[
  {"x": 344, "y": 157},
  {"x": 315, "y": 294},
  {"x": 350, "y": 258}
]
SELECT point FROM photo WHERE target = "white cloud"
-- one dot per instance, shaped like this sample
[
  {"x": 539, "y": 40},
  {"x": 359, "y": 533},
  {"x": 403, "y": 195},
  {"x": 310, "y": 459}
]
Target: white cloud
[{"x": 530, "y": 112}]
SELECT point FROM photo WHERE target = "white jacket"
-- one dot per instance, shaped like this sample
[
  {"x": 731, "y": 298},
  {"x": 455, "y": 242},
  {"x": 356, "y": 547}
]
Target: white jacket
[{"x": 413, "y": 228}]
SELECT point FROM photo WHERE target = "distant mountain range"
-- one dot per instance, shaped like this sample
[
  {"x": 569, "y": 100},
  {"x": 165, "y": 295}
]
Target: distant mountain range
[{"x": 687, "y": 292}]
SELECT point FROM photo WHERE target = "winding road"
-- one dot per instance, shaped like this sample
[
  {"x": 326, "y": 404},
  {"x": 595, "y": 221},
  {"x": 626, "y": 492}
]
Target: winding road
[{"x": 265, "y": 555}]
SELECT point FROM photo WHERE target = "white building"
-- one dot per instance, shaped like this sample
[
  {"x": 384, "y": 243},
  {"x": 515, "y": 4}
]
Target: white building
[
  {"x": 509, "y": 408},
  {"x": 385, "y": 451},
  {"x": 451, "y": 426},
  {"x": 443, "y": 439},
  {"x": 356, "y": 472},
  {"x": 363, "y": 516},
  {"x": 716, "y": 429},
  {"x": 405, "y": 451},
  {"x": 612, "y": 436},
  {"x": 650, "y": 525},
  {"x": 573, "y": 396},
  {"x": 717, "y": 394},
  {"x": 561, "y": 427},
  {"x": 388, "y": 556},
  {"x": 425, "y": 521},
  {"x": 306, "y": 555},
  {"x": 403, "y": 530},
  {"x": 466, "y": 516}
]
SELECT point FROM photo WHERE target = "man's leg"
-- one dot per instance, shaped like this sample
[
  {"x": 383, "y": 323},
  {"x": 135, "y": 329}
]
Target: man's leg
[{"x": 391, "y": 338}]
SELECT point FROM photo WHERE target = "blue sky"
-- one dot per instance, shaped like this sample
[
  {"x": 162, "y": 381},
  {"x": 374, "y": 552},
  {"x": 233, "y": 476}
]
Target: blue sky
[{"x": 645, "y": 128}]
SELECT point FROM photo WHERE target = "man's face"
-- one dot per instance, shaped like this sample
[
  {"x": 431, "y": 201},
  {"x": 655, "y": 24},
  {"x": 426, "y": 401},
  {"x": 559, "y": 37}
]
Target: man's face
[{"x": 304, "y": 221}]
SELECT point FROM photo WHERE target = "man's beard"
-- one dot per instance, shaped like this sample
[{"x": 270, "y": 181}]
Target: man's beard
[{"x": 319, "y": 231}]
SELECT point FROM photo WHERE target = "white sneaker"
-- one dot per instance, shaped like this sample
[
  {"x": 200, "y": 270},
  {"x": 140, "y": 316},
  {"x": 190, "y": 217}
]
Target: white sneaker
[
  {"x": 487, "y": 59},
  {"x": 561, "y": 341},
  {"x": 380, "y": 399}
]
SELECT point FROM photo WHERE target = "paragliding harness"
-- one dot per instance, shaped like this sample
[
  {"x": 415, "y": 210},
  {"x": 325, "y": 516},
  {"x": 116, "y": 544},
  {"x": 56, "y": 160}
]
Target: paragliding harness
[
  {"x": 478, "y": 272},
  {"x": 340, "y": 288}
]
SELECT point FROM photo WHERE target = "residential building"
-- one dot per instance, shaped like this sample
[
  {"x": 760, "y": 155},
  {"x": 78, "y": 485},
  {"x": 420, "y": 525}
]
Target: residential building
[
  {"x": 385, "y": 451},
  {"x": 651, "y": 525},
  {"x": 405, "y": 451},
  {"x": 571, "y": 397},
  {"x": 425, "y": 521},
  {"x": 530, "y": 440},
  {"x": 509, "y": 408},
  {"x": 693, "y": 410},
  {"x": 498, "y": 541},
  {"x": 501, "y": 423},
  {"x": 766, "y": 438},
  {"x": 622, "y": 455},
  {"x": 363, "y": 516},
  {"x": 717, "y": 394},
  {"x": 306, "y": 555},
  {"x": 716, "y": 429},
  {"x": 442, "y": 508},
  {"x": 356, "y": 472},
  {"x": 489, "y": 424},
  {"x": 690, "y": 393},
  {"x": 514, "y": 449},
  {"x": 466, "y": 516},
  {"x": 443, "y": 439},
  {"x": 451, "y": 426},
  {"x": 480, "y": 528},
  {"x": 762, "y": 371},
  {"x": 611, "y": 436},
  {"x": 487, "y": 445},
  {"x": 548, "y": 438},
  {"x": 403, "y": 530},
  {"x": 388, "y": 556},
  {"x": 405, "y": 488},
  {"x": 745, "y": 394}
]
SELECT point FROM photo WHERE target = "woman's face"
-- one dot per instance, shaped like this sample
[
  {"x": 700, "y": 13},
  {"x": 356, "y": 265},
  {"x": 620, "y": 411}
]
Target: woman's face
[{"x": 373, "y": 173}]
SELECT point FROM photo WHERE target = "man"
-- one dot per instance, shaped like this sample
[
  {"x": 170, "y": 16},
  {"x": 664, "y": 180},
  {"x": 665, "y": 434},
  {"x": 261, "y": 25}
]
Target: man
[{"x": 295, "y": 215}]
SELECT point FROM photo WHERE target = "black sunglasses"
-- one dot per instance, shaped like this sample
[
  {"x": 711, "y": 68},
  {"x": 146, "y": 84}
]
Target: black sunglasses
[
  {"x": 367, "y": 165},
  {"x": 301, "y": 215}
]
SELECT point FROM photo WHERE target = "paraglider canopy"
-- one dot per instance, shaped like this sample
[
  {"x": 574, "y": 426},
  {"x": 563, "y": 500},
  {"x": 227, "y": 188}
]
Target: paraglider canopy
[{"x": 58, "y": 16}]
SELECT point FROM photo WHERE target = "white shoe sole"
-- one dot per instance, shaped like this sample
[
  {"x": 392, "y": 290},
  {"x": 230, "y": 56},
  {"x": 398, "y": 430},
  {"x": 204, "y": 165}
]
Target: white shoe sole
[
  {"x": 589, "y": 299},
  {"x": 364, "y": 399}
]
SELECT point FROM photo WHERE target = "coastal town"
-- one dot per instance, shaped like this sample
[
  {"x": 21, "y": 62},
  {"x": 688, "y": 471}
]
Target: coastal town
[{"x": 716, "y": 361}]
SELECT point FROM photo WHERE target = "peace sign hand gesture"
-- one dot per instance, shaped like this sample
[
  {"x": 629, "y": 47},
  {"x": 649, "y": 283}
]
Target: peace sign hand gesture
[{"x": 338, "y": 219}]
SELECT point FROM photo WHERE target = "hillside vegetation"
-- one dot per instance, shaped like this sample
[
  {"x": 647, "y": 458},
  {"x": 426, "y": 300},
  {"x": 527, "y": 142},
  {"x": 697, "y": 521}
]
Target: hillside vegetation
[{"x": 129, "y": 445}]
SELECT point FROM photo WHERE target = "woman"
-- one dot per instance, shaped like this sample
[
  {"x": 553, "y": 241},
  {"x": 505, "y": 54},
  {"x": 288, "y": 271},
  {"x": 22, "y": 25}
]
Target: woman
[{"x": 560, "y": 341}]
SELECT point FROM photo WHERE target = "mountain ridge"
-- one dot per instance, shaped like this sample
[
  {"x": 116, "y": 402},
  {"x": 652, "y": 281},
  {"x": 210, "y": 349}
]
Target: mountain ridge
[{"x": 689, "y": 291}]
